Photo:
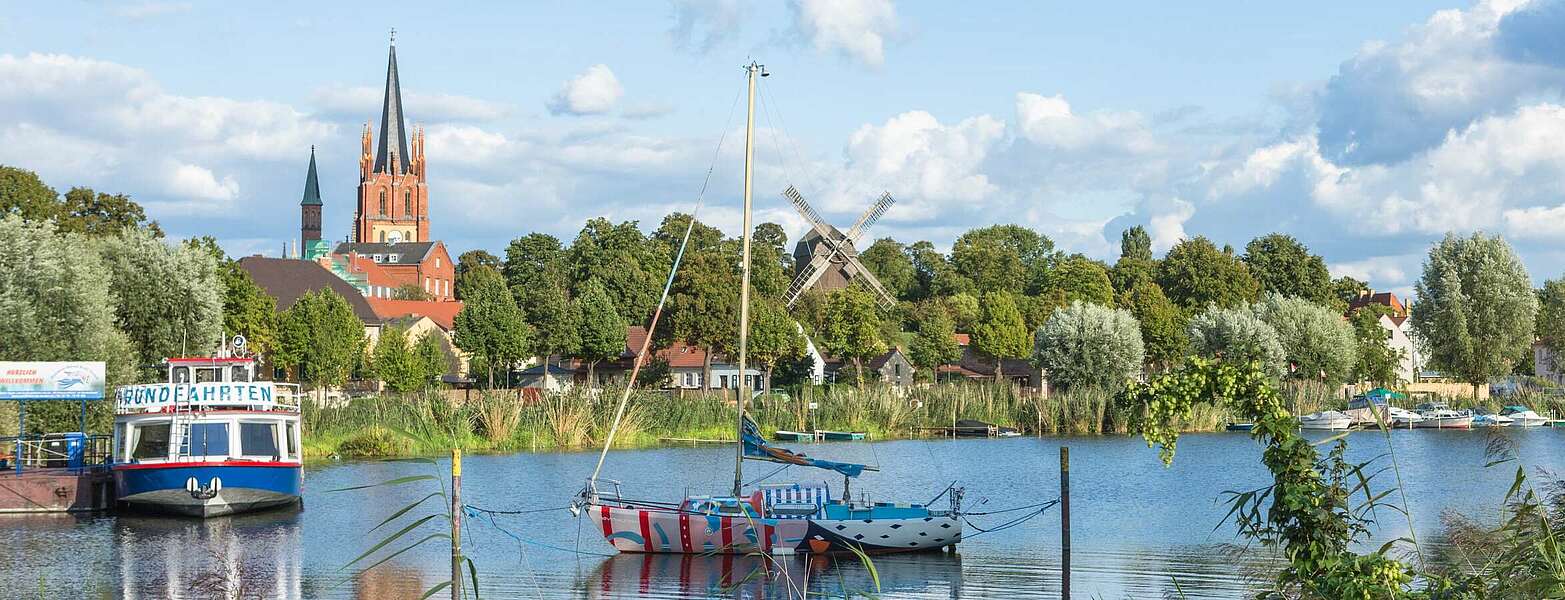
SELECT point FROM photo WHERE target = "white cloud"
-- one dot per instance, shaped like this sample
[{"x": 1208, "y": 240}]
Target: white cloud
[
  {"x": 926, "y": 164},
  {"x": 856, "y": 28},
  {"x": 1536, "y": 222},
  {"x": 1049, "y": 122},
  {"x": 198, "y": 188},
  {"x": 594, "y": 91}
]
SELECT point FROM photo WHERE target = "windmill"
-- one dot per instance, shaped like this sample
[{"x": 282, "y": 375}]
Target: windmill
[{"x": 826, "y": 255}]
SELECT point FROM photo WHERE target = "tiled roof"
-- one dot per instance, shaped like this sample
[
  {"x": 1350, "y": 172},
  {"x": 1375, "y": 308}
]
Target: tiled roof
[
  {"x": 406, "y": 253},
  {"x": 288, "y": 279},
  {"x": 962, "y": 339},
  {"x": 1387, "y": 299},
  {"x": 442, "y": 313}
]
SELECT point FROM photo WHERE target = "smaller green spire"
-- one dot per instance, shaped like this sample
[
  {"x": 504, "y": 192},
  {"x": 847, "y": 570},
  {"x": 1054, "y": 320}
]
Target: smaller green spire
[{"x": 312, "y": 186}]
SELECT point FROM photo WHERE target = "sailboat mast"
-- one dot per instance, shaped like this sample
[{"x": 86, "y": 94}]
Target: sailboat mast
[{"x": 751, "y": 70}]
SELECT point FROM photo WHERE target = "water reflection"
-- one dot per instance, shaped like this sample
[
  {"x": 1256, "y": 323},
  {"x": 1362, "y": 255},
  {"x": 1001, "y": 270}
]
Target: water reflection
[
  {"x": 671, "y": 576},
  {"x": 248, "y": 556}
]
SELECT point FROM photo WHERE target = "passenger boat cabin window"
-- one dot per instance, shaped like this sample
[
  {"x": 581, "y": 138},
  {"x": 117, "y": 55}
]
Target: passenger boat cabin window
[
  {"x": 258, "y": 439},
  {"x": 239, "y": 373},
  {"x": 181, "y": 374},
  {"x": 149, "y": 440},
  {"x": 208, "y": 439},
  {"x": 209, "y": 374}
]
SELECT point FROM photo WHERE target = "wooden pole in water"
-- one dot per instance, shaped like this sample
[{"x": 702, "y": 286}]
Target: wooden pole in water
[
  {"x": 456, "y": 524},
  {"x": 1065, "y": 522}
]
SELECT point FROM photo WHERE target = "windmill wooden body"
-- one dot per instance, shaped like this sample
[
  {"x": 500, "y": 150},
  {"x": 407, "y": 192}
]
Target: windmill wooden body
[{"x": 827, "y": 257}]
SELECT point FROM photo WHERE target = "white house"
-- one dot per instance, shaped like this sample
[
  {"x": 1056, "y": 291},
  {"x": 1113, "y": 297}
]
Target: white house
[
  {"x": 1543, "y": 364},
  {"x": 1401, "y": 330}
]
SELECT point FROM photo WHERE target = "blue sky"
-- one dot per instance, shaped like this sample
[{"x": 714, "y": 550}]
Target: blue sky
[{"x": 1368, "y": 130}]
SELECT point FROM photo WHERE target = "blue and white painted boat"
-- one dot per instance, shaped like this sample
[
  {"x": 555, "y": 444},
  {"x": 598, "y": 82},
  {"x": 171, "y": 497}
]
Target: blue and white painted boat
[{"x": 210, "y": 441}]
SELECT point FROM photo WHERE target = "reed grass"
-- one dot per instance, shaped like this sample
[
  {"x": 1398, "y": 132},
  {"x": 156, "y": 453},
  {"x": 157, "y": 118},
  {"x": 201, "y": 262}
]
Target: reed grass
[{"x": 428, "y": 423}]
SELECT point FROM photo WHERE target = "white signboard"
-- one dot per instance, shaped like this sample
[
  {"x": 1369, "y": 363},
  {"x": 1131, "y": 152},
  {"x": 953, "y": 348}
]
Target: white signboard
[
  {"x": 156, "y": 396},
  {"x": 51, "y": 380}
]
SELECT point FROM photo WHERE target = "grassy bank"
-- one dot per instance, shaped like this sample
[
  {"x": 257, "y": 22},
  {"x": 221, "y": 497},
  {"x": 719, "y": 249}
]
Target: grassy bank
[{"x": 427, "y": 424}]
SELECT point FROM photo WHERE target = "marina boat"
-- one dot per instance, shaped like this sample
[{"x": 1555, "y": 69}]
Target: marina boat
[
  {"x": 770, "y": 518},
  {"x": 209, "y": 441},
  {"x": 841, "y": 436},
  {"x": 1437, "y": 415},
  {"x": 1404, "y": 418},
  {"x": 1484, "y": 418},
  {"x": 1240, "y": 426},
  {"x": 1330, "y": 420},
  {"x": 976, "y": 428},
  {"x": 1523, "y": 416},
  {"x": 783, "y": 435},
  {"x": 1374, "y": 409}
]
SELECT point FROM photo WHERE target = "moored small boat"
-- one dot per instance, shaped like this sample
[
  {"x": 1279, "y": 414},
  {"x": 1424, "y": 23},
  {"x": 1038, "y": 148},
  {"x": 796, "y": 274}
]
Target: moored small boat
[
  {"x": 783, "y": 435},
  {"x": 1239, "y": 426},
  {"x": 210, "y": 441},
  {"x": 1523, "y": 416},
  {"x": 840, "y": 436},
  {"x": 1484, "y": 418},
  {"x": 1330, "y": 420},
  {"x": 1437, "y": 415}
]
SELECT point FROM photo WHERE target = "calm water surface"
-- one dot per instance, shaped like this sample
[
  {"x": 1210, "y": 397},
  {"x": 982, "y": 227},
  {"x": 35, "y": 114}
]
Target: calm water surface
[{"x": 1139, "y": 529}]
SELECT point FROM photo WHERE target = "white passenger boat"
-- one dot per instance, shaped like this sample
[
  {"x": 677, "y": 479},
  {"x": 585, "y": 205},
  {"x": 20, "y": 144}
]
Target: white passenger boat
[
  {"x": 1437, "y": 415},
  {"x": 209, "y": 441},
  {"x": 1524, "y": 417},
  {"x": 1330, "y": 420}
]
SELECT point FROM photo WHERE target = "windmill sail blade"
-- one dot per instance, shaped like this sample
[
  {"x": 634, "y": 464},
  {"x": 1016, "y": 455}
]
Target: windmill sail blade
[
  {"x": 860, "y": 273},
  {"x": 808, "y": 212},
  {"x": 870, "y": 216},
  {"x": 808, "y": 275}
]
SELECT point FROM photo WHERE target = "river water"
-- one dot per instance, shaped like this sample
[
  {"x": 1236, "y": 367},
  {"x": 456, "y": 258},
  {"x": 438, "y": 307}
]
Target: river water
[{"x": 1140, "y": 530}]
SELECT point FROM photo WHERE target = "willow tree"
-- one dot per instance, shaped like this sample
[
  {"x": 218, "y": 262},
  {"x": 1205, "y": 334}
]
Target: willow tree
[
  {"x": 1237, "y": 336},
  {"x": 1089, "y": 346},
  {"x": 1317, "y": 342},
  {"x": 168, "y": 298},
  {"x": 1475, "y": 308}
]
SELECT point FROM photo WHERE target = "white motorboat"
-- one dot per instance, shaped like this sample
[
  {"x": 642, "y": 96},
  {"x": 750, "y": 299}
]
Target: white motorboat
[
  {"x": 1484, "y": 418},
  {"x": 1524, "y": 417},
  {"x": 1330, "y": 420},
  {"x": 1437, "y": 415},
  {"x": 1401, "y": 417}
]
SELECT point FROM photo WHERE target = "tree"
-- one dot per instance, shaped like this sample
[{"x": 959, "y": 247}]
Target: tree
[
  {"x": 99, "y": 214},
  {"x": 1550, "y": 328},
  {"x": 409, "y": 291},
  {"x": 1089, "y": 346},
  {"x": 1475, "y": 308},
  {"x": 936, "y": 277},
  {"x": 472, "y": 259},
  {"x": 935, "y": 344},
  {"x": 1282, "y": 265},
  {"x": 23, "y": 194},
  {"x": 890, "y": 263},
  {"x": 774, "y": 337},
  {"x": 1317, "y": 343},
  {"x": 554, "y": 320},
  {"x": 1195, "y": 273},
  {"x": 464, "y": 277},
  {"x": 1236, "y": 335},
  {"x": 535, "y": 259},
  {"x": 1377, "y": 361},
  {"x": 703, "y": 305},
  {"x": 1136, "y": 264},
  {"x": 1000, "y": 332},
  {"x": 1347, "y": 289},
  {"x": 394, "y": 363},
  {"x": 490, "y": 326},
  {"x": 964, "y": 311},
  {"x": 602, "y": 328},
  {"x": 1078, "y": 278},
  {"x": 1008, "y": 258},
  {"x": 629, "y": 267},
  {"x": 325, "y": 335},
  {"x": 1163, "y": 335},
  {"x": 852, "y": 328},
  {"x": 56, "y": 300},
  {"x": 768, "y": 265},
  {"x": 168, "y": 299},
  {"x": 430, "y": 360}
]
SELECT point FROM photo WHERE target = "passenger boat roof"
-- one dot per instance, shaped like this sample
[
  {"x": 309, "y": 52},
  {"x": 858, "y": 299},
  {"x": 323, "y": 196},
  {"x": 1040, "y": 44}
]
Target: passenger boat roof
[{"x": 209, "y": 360}]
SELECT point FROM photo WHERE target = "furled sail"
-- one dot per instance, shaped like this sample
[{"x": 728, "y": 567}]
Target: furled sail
[{"x": 755, "y": 447}]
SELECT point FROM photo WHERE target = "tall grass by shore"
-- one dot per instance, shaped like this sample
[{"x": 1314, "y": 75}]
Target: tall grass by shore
[{"x": 431, "y": 423}]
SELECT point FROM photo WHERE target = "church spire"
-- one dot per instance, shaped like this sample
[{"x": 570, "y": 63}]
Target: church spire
[
  {"x": 312, "y": 184},
  {"x": 393, "y": 136}
]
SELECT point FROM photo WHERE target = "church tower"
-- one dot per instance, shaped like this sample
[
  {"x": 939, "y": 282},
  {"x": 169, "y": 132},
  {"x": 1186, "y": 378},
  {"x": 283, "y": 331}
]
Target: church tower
[
  {"x": 310, "y": 206},
  {"x": 393, "y": 193}
]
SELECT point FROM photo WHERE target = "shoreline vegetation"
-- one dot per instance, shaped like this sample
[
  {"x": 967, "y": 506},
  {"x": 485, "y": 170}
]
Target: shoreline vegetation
[{"x": 498, "y": 421}]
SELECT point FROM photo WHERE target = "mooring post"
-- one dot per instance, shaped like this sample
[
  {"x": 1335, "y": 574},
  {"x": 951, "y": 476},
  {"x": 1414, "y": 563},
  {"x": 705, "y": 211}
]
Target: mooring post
[
  {"x": 456, "y": 524},
  {"x": 1065, "y": 522}
]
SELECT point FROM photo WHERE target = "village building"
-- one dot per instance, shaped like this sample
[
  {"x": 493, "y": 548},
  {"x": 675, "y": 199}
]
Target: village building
[
  {"x": 288, "y": 280},
  {"x": 1399, "y": 328},
  {"x": 975, "y": 366},
  {"x": 891, "y": 367},
  {"x": 425, "y": 265},
  {"x": 685, "y": 368},
  {"x": 1543, "y": 365}
]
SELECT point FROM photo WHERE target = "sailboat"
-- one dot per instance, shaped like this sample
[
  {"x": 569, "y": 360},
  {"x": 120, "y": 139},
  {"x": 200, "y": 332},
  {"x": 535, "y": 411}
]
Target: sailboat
[{"x": 776, "y": 518}]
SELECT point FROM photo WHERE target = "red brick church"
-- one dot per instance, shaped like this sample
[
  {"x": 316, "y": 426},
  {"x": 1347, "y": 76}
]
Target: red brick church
[{"x": 389, "y": 246}]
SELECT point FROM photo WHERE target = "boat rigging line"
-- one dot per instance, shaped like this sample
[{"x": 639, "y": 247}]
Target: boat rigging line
[
  {"x": 646, "y": 344},
  {"x": 1036, "y": 510}
]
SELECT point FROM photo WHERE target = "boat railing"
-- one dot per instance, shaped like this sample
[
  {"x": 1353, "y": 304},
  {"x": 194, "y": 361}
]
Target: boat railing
[{"x": 56, "y": 451}]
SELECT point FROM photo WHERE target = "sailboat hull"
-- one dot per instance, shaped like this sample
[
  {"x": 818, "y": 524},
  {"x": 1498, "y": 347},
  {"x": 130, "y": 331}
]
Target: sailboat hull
[{"x": 636, "y": 529}]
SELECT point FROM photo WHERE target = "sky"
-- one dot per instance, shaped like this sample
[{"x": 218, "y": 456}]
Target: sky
[{"x": 1368, "y": 130}]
